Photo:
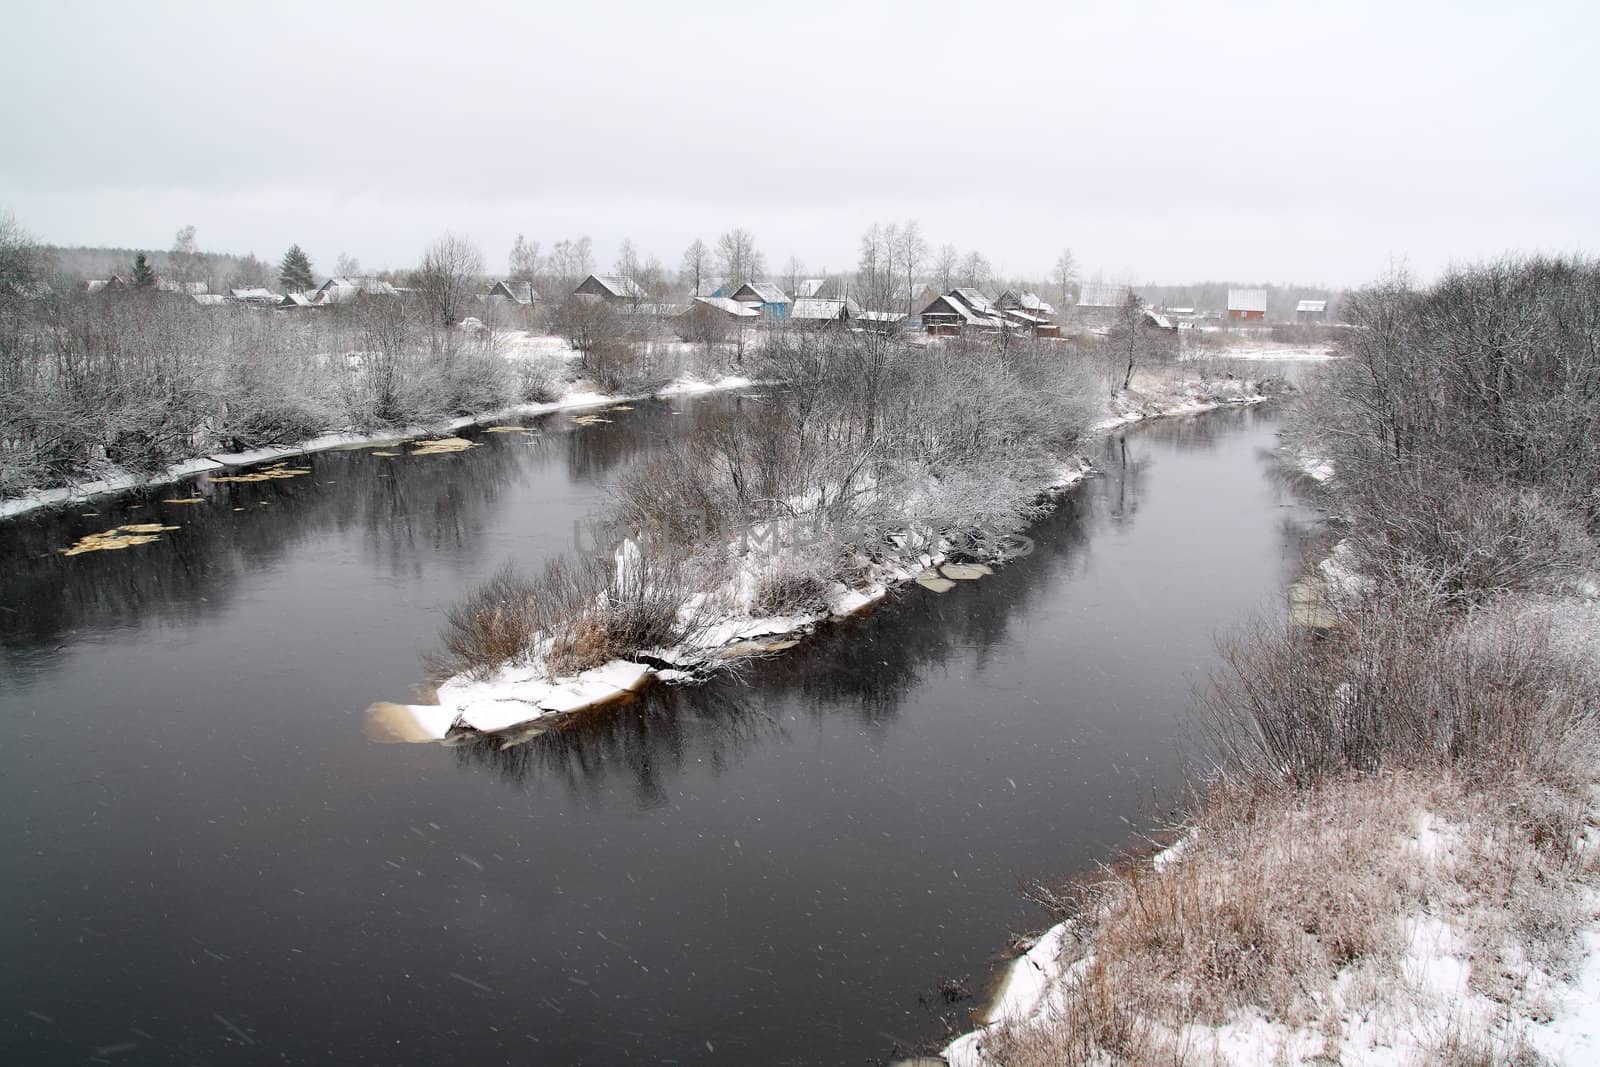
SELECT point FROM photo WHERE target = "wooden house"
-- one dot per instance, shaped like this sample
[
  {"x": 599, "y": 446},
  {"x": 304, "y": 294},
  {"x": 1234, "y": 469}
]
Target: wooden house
[
  {"x": 612, "y": 288},
  {"x": 769, "y": 301},
  {"x": 820, "y": 311},
  {"x": 1311, "y": 311},
  {"x": 1247, "y": 305}
]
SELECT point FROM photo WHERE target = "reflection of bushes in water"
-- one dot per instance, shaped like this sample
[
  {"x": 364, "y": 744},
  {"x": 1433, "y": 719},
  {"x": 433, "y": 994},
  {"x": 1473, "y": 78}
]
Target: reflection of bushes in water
[
  {"x": 651, "y": 739},
  {"x": 592, "y": 452},
  {"x": 868, "y": 664},
  {"x": 189, "y": 576}
]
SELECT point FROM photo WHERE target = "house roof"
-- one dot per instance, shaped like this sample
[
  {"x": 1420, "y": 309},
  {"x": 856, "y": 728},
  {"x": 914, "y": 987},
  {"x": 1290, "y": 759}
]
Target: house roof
[
  {"x": 1312, "y": 305},
  {"x": 335, "y": 290},
  {"x": 1098, "y": 295},
  {"x": 210, "y": 300},
  {"x": 521, "y": 292},
  {"x": 973, "y": 298},
  {"x": 728, "y": 306},
  {"x": 296, "y": 300},
  {"x": 1247, "y": 300},
  {"x": 951, "y": 304},
  {"x": 766, "y": 292},
  {"x": 1026, "y": 316},
  {"x": 618, "y": 285},
  {"x": 1027, "y": 301},
  {"x": 253, "y": 293},
  {"x": 1179, "y": 311},
  {"x": 1158, "y": 319},
  {"x": 819, "y": 309},
  {"x": 810, "y": 287},
  {"x": 94, "y": 285},
  {"x": 881, "y": 316}
]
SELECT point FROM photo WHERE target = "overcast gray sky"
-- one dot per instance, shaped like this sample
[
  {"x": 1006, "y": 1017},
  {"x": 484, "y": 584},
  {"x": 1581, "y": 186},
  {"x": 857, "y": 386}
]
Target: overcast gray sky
[{"x": 1172, "y": 142}]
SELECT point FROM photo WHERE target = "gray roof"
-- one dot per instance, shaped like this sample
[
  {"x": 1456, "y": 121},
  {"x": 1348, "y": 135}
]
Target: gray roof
[
  {"x": 973, "y": 298},
  {"x": 951, "y": 304},
  {"x": 818, "y": 309},
  {"x": 1312, "y": 305},
  {"x": 1027, "y": 301},
  {"x": 1247, "y": 300},
  {"x": 728, "y": 306},
  {"x": 336, "y": 290},
  {"x": 521, "y": 292},
  {"x": 766, "y": 292},
  {"x": 618, "y": 285}
]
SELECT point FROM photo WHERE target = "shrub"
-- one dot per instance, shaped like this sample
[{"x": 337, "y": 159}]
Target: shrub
[{"x": 497, "y": 625}]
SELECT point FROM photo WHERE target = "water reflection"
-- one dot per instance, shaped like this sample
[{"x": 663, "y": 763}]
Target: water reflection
[
  {"x": 865, "y": 666},
  {"x": 407, "y": 510}
]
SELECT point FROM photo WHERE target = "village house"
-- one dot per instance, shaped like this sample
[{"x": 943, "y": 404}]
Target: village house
[
  {"x": 821, "y": 311},
  {"x": 295, "y": 302},
  {"x": 1311, "y": 311},
  {"x": 1021, "y": 300},
  {"x": 347, "y": 289},
  {"x": 1247, "y": 305},
  {"x": 612, "y": 288},
  {"x": 1099, "y": 303},
  {"x": 1037, "y": 325},
  {"x": 254, "y": 296},
  {"x": 881, "y": 321},
  {"x": 722, "y": 308},
  {"x": 959, "y": 310},
  {"x": 767, "y": 299},
  {"x": 520, "y": 293}
]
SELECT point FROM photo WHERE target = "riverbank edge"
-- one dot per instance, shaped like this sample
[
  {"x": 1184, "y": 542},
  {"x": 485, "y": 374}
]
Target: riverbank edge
[
  {"x": 500, "y": 706},
  {"x": 1566, "y": 1008},
  {"x": 573, "y": 401}
]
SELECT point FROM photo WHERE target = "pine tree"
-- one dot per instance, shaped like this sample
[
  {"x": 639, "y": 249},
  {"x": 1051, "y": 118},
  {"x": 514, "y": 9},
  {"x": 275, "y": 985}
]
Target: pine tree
[
  {"x": 143, "y": 276},
  {"x": 294, "y": 273}
]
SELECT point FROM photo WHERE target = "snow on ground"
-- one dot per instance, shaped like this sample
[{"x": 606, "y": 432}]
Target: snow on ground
[
  {"x": 1397, "y": 1016},
  {"x": 1265, "y": 351}
]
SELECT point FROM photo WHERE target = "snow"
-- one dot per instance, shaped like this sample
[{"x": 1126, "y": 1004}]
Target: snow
[
  {"x": 1559, "y": 1018},
  {"x": 686, "y": 386}
]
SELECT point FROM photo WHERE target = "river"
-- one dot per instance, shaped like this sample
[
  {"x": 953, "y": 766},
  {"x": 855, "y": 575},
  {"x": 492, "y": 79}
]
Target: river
[{"x": 209, "y": 862}]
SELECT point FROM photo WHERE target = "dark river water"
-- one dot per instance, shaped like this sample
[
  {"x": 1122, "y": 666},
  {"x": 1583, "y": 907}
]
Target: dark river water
[{"x": 208, "y": 862}]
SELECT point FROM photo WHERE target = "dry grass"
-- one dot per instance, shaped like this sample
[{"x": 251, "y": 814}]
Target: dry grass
[
  {"x": 580, "y": 612},
  {"x": 1422, "y": 775},
  {"x": 1301, "y": 906}
]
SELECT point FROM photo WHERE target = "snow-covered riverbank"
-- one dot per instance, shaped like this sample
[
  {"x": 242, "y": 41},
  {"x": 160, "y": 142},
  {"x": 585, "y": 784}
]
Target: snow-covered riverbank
[
  {"x": 576, "y": 399},
  {"x": 1412, "y": 914}
]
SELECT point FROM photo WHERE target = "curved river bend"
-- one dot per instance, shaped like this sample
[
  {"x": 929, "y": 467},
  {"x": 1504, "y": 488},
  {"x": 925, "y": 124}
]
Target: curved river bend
[{"x": 208, "y": 862}]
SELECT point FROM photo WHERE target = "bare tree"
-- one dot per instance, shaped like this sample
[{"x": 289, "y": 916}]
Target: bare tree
[
  {"x": 946, "y": 267},
  {"x": 452, "y": 267},
  {"x": 911, "y": 253},
  {"x": 1064, "y": 275},
  {"x": 185, "y": 256},
  {"x": 571, "y": 262},
  {"x": 975, "y": 270},
  {"x": 738, "y": 257},
  {"x": 1134, "y": 339},
  {"x": 346, "y": 266},
  {"x": 523, "y": 263},
  {"x": 792, "y": 275},
  {"x": 694, "y": 267}
]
